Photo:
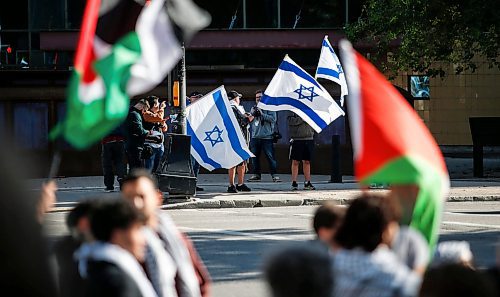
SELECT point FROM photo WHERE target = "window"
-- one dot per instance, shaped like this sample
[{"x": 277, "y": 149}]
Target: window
[{"x": 31, "y": 125}]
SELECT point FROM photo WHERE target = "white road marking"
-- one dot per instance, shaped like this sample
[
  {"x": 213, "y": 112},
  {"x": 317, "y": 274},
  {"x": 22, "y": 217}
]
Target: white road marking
[
  {"x": 471, "y": 214},
  {"x": 238, "y": 233},
  {"x": 471, "y": 224}
]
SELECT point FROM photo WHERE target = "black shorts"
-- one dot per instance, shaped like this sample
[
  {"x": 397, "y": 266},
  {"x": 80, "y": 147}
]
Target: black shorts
[{"x": 301, "y": 150}]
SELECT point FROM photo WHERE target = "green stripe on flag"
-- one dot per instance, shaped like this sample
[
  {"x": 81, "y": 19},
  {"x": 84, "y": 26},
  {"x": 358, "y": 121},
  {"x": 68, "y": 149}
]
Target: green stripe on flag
[
  {"x": 408, "y": 170},
  {"x": 87, "y": 123}
]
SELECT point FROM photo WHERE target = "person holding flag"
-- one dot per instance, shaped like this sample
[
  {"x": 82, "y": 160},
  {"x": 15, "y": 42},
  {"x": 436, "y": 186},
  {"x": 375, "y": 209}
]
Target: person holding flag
[
  {"x": 385, "y": 151},
  {"x": 217, "y": 141}
]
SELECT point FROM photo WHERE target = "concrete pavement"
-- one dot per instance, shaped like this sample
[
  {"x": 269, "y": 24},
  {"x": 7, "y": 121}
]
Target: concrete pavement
[{"x": 264, "y": 194}]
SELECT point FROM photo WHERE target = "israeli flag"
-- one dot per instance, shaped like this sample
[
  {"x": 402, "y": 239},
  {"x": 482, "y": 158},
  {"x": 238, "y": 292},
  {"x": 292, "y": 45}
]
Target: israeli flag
[
  {"x": 329, "y": 68},
  {"x": 292, "y": 88},
  {"x": 216, "y": 137}
]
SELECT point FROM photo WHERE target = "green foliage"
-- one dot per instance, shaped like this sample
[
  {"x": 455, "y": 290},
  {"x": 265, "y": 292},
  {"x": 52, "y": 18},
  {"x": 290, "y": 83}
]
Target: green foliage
[{"x": 419, "y": 33}]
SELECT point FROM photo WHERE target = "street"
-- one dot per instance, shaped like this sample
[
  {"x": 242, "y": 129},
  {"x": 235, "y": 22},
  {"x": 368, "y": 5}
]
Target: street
[{"x": 234, "y": 242}]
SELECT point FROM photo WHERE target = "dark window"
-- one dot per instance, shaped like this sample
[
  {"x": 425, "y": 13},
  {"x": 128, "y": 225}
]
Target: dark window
[
  {"x": 14, "y": 14},
  {"x": 31, "y": 125},
  {"x": 262, "y": 13},
  {"x": 223, "y": 12},
  {"x": 47, "y": 14},
  {"x": 75, "y": 13},
  {"x": 312, "y": 13},
  {"x": 15, "y": 46}
]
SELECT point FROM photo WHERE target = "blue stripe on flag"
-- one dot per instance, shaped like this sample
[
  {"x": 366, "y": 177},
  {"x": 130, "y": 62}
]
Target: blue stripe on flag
[
  {"x": 286, "y": 66},
  {"x": 328, "y": 71},
  {"x": 268, "y": 100},
  {"x": 231, "y": 132},
  {"x": 200, "y": 149},
  {"x": 325, "y": 44}
]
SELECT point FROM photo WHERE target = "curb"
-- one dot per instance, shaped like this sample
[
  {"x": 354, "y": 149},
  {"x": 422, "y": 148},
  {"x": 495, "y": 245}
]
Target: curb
[{"x": 198, "y": 203}]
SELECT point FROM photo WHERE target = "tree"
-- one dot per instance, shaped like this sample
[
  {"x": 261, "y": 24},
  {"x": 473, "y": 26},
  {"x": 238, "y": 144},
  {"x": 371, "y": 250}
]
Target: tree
[{"x": 419, "y": 33}]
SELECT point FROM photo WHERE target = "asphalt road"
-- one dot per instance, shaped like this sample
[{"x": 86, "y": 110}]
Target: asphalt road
[{"x": 234, "y": 242}]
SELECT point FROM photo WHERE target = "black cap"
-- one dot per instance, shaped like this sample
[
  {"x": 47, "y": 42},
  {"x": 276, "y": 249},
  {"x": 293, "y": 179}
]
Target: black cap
[
  {"x": 233, "y": 94},
  {"x": 196, "y": 94}
]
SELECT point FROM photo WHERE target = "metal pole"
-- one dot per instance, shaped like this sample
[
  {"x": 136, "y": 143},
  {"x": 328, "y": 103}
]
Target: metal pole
[
  {"x": 279, "y": 14},
  {"x": 346, "y": 12},
  {"x": 244, "y": 14},
  {"x": 182, "y": 95},
  {"x": 336, "y": 174}
]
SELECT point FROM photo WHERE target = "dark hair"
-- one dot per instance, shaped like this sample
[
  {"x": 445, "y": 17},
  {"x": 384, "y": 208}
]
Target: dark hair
[
  {"x": 233, "y": 94},
  {"x": 82, "y": 210},
  {"x": 300, "y": 270},
  {"x": 113, "y": 214},
  {"x": 137, "y": 173},
  {"x": 366, "y": 219},
  {"x": 259, "y": 91},
  {"x": 456, "y": 280},
  {"x": 152, "y": 100},
  {"x": 143, "y": 102},
  {"x": 327, "y": 216}
]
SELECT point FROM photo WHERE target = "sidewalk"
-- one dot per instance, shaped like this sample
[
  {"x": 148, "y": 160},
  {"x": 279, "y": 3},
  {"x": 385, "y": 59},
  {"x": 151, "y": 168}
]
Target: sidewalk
[{"x": 264, "y": 194}]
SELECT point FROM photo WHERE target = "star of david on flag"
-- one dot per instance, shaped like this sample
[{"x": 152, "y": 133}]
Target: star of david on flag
[
  {"x": 293, "y": 89},
  {"x": 216, "y": 137},
  {"x": 302, "y": 91},
  {"x": 329, "y": 67}
]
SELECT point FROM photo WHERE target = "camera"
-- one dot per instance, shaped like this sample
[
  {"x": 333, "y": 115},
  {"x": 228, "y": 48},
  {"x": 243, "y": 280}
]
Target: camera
[{"x": 255, "y": 111}]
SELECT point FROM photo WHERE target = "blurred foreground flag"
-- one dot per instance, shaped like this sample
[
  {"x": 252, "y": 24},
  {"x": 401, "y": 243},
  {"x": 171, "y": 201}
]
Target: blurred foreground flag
[
  {"x": 391, "y": 143},
  {"x": 216, "y": 137},
  {"x": 292, "y": 88},
  {"x": 125, "y": 49},
  {"x": 329, "y": 68}
]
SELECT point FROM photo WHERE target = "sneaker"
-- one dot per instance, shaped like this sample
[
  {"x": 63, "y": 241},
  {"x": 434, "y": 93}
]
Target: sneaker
[
  {"x": 199, "y": 189},
  {"x": 243, "y": 188},
  {"x": 295, "y": 186},
  {"x": 254, "y": 178},
  {"x": 309, "y": 186},
  {"x": 232, "y": 189},
  {"x": 109, "y": 189},
  {"x": 276, "y": 178}
]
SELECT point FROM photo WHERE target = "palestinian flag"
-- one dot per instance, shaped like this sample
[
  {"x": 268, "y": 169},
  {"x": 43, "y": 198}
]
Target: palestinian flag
[
  {"x": 392, "y": 144},
  {"x": 126, "y": 48}
]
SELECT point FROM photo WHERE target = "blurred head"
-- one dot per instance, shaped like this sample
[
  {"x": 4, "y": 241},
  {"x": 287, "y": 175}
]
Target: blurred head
[
  {"x": 456, "y": 280},
  {"x": 301, "y": 270},
  {"x": 142, "y": 105},
  {"x": 194, "y": 96},
  {"x": 453, "y": 252},
  {"x": 141, "y": 190},
  {"x": 258, "y": 96},
  {"x": 154, "y": 103},
  {"x": 234, "y": 95},
  {"x": 327, "y": 220},
  {"x": 369, "y": 221},
  {"x": 117, "y": 222},
  {"x": 78, "y": 220}
]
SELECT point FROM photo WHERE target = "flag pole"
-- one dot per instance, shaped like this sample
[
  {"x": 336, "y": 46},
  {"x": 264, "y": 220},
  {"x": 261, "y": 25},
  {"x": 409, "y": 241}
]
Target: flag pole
[{"x": 182, "y": 95}]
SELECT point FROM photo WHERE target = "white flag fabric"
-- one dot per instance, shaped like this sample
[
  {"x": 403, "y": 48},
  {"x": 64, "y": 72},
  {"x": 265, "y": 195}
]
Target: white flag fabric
[
  {"x": 329, "y": 68},
  {"x": 293, "y": 89},
  {"x": 216, "y": 137}
]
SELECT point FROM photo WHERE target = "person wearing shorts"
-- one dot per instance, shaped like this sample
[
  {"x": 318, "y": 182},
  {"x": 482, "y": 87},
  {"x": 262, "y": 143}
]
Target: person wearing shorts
[{"x": 301, "y": 149}]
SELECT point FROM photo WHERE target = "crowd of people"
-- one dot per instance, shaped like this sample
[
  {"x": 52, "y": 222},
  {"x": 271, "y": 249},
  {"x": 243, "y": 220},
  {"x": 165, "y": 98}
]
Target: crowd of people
[
  {"x": 139, "y": 142},
  {"x": 362, "y": 250}
]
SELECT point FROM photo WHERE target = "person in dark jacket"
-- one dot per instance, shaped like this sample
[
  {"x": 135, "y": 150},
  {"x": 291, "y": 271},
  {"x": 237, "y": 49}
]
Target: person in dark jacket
[
  {"x": 135, "y": 134},
  {"x": 110, "y": 265},
  {"x": 301, "y": 149},
  {"x": 113, "y": 154},
  {"x": 244, "y": 120}
]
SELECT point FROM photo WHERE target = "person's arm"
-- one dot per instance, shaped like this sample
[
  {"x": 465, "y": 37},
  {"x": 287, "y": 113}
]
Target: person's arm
[
  {"x": 136, "y": 126},
  {"x": 152, "y": 117},
  {"x": 294, "y": 120},
  {"x": 268, "y": 117}
]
